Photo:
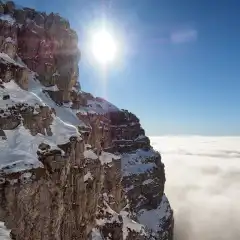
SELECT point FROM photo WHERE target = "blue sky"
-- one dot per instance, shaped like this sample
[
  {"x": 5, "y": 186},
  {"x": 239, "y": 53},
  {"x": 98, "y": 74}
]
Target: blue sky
[{"x": 179, "y": 67}]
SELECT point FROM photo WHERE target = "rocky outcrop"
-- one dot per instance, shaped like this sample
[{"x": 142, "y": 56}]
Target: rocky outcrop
[
  {"x": 54, "y": 202},
  {"x": 45, "y": 43},
  {"x": 72, "y": 166}
]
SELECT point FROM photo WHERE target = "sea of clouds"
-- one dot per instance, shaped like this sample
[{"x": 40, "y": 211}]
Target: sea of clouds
[{"x": 203, "y": 185}]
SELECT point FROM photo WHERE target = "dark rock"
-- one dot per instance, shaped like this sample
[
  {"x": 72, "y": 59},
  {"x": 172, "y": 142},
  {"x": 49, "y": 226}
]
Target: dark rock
[
  {"x": 5, "y": 97},
  {"x": 20, "y": 15},
  {"x": 1, "y": 8},
  {"x": 44, "y": 146}
]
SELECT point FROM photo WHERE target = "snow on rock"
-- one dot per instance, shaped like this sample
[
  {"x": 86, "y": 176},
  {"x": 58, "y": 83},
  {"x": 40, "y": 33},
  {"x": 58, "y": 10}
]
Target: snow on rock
[
  {"x": 153, "y": 219},
  {"x": 133, "y": 163},
  {"x": 96, "y": 235},
  {"x": 35, "y": 94},
  {"x": 140, "y": 137},
  {"x": 129, "y": 188},
  {"x": 87, "y": 176},
  {"x": 62, "y": 131},
  {"x": 52, "y": 88},
  {"x": 8, "y": 18},
  {"x": 90, "y": 154},
  {"x": 19, "y": 61},
  {"x": 64, "y": 113},
  {"x": 6, "y": 59},
  {"x": 10, "y": 40},
  {"x": 130, "y": 224},
  {"x": 100, "y": 106},
  {"x": 112, "y": 216},
  {"x": 26, "y": 175},
  {"x": 106, "y": 157},
  {"x": 56, "y": 74},
  {"x": 19, "y": 151},
  {"x": 18, "y": 95},
  {"x": 148, "y": 181},
  {"x": 4, "y": 232},
  {"x": 127, "y": 223}
]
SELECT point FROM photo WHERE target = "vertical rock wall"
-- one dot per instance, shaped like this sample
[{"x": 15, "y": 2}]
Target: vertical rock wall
[{"x": 100, "y": 180}]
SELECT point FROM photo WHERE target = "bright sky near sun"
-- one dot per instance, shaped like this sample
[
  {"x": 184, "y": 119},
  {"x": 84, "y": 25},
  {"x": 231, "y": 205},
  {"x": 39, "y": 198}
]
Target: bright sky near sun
[
  {"x": 173, "y": 63},
  {"x": 104, "y": 46}
]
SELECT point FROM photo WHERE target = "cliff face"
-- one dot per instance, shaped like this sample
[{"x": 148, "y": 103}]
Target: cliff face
[{"x": 72, "y": 166}]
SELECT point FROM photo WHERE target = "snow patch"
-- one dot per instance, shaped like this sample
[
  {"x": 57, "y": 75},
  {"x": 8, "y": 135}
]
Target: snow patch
[
  {"x": 6, "y": 59},
  {"x": 90, "y": 154},
  {"x": 4, "y": 232},
  {"x": 87, "y": 176},
  {"x": 130, "y": 224},
  {"x": 10, "y": 40},
  {"x": 26, "y": 175},
  {"x": 148, "y": 181},
  {"x": 64, "y": 113},
  {"x": 52, "y": 88},
  {"x": 62, "y": 131},
  {"x": 129, "y": 188},
  {"x": 96, "y": 235},
  {"x": 18, "y": 95},
  {"x": 140, "y": 137},
  {"x": 56, "y": 74},
  {"x": 133, "y": 163},
  {"x": 106, "y": 157},
  {"x": 100, "y": 106},
  {"x": 8, "y": 18},
  {"x": 19, "y": 151},
  {"x": 155, "y": 218}
]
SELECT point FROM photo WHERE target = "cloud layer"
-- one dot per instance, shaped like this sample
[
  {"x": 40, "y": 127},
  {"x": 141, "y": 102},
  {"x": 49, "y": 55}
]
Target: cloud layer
[{"x": 203, "y": 185}]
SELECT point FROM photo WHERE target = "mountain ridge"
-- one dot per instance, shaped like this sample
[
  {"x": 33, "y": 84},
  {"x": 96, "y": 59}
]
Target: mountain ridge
[{"x": 72, "y": 166}]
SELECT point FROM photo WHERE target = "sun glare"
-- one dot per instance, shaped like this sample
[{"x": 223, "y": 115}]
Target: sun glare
[{"x": 104, "y": 47}]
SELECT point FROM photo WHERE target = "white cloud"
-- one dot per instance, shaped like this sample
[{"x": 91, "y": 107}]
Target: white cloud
[
  {"x": 203, "y": 185},
  {"x": 184, "y": 36}
]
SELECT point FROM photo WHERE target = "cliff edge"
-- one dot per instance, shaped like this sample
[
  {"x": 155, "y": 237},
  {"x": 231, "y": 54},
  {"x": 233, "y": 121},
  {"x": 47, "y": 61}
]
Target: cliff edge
[{"x": 72, "y": 166}]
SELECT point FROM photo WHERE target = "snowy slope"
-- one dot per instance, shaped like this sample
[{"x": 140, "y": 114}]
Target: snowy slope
[
  {"x": 4, "y": 233},
  {"x": 134, "y": 163},
  {"x": 155, "y": 218},
  {"x": 95, "y": 234},
  {"x": 20, "y": 144},
  {"x": 100, "y": 106},
  {"x": 19, "y": 150},
  {"x": 4, "y": 58},
  {"x": 64, "y": 113},
  {"x": 114, "y": 217}
]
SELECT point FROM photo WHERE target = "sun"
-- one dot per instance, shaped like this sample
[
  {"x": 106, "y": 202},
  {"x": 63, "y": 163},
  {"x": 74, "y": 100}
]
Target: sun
[{"x": 104, "y": 47}]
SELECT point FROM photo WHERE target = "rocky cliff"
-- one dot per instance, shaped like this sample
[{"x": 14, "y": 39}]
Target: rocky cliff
[{"x": 72, "y": 166}]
